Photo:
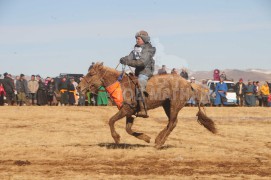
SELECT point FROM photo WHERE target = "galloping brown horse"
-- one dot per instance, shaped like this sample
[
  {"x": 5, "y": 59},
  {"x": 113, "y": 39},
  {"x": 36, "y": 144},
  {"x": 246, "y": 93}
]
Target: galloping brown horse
[{"x": 169, "y": 91}]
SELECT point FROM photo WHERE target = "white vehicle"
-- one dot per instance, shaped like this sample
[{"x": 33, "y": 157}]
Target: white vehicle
[{"x": 231, "y": 95}]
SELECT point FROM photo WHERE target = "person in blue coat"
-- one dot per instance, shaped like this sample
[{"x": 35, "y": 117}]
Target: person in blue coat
[{"x": 221, "y": 91}]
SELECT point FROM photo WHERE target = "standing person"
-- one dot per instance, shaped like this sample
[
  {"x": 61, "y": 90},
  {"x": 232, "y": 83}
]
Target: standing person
[
  {"x": 269, "y": 100},
  {"x": 250, "y": 94},
  {"x": 258, "y": 93},
  {"x": 240, "y": 91},
  {"x": 22, "y": 90},
  {"x": 2, "y": 94},
  {"x": 82, "y": 97},
  {"x": 88, "y": 94},
  {"x": 93, "y": 99},
  {"x": 102, "y": 98},
  {"x": 221, "y": 91},
  {"x": 47, "y": 80},
  {"x": 174, "y": 71},
  {"x": 41, "y": 93},
  {"x": 9, "y": 88},
  {"x": 162, "y": 70},
  {"x": 255, "y": 87},
  {"x": 269, "y": 84},
  {"x": 33, "y": 87},
  {"x": 223, "y": 75},
  {"x": 71, "y": 92},
  {"x": 17, "y": 78},
  {"x": 191, "y": 101},
  {"x": 63, "y": 89},
  {"x": 269, "y": 97},
  {"x": 142, "y": 59},
  {"x": 265, "y": 93},
  {"x": 206, "y": 96},
  {"x": 216, "y": 75},
  {"x": 76, "y": 94},
  {"x": 51, "y": 92},
  {"x": 184, "y": 74}
]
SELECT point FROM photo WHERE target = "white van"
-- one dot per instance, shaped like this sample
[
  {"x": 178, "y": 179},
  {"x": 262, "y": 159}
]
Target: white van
[{"x": 231, "y": 95}]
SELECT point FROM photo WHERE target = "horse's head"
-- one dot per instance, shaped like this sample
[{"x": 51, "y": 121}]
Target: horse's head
[{"x": 92, "y": 81}]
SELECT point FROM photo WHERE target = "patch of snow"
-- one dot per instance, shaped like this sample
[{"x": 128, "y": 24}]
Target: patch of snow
[{"x": 264, "y": 71}]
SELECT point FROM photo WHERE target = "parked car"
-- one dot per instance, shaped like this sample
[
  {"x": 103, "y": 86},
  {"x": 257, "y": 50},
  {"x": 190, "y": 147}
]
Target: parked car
[{"x": 231, "y": 95}]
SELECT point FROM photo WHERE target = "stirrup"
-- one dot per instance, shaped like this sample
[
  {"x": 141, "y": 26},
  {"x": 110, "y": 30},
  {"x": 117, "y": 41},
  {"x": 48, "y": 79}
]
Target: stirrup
[{"x": 142, "y": 114}]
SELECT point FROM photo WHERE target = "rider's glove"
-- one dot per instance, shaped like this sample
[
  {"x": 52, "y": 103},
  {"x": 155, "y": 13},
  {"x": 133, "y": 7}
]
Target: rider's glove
[{"x": 123, "y": 60}]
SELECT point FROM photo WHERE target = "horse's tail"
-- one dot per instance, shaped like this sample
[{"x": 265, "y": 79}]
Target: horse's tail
[
  {"x": 204, "y": 120},
  {"x": 199, "y": 95}
]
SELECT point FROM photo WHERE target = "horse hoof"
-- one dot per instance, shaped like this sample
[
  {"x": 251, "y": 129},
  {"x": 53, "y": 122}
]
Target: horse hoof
[
  {"x": 158, "y": 146},
  {"x": 117, "y": 139},
  {"x": 144, "y": 137},
  {"x": 147, "y": 139}
]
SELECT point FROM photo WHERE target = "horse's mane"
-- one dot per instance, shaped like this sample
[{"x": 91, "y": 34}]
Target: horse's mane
[
  {"x": 107, "y": 73},
  {"x": 106, "y": 69}
]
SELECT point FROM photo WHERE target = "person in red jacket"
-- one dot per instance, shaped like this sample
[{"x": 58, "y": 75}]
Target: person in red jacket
[
  {"x": 2, "y": 94},
  {"x": 269, "y": 100}
]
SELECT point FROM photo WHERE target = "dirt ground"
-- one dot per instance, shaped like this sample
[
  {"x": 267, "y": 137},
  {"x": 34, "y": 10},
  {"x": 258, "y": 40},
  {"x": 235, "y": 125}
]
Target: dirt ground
[{"x": 75, "y": 143}]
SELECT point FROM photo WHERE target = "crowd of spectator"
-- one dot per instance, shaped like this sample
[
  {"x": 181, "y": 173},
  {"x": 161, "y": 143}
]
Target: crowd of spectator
[
  {"x": 49, "y": 91},
  {"x": 251, "y": 94},
  {"x": 62, "y": 91}
]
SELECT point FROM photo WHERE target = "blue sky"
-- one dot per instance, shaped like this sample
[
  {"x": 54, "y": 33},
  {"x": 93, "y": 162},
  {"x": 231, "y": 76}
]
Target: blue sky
[{"x": 58, "y": 36}]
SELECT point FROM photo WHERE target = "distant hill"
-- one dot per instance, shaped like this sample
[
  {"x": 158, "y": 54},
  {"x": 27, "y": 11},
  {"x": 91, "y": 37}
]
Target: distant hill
[{"x": 235, "y": 74}]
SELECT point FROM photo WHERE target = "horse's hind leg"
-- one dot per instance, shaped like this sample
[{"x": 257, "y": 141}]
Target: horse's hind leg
[
  {"x": 162, "y": 136},
  {"x": 166, "y": 106},
  {"x": 129, "y": 124}
]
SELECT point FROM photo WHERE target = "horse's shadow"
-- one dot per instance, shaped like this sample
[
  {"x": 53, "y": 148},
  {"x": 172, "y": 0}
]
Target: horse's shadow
[
  {"x": 121, "y": 146},
  {"x": 130, "y": 146}
]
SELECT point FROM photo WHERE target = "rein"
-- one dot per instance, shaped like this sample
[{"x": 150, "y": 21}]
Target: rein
[{"x": 119, "y": 78}]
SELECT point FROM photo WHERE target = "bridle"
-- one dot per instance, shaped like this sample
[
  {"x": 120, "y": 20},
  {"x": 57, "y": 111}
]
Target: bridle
[
  {"x": 89, "y": 84},
  {"x": 84, "y": 79}
]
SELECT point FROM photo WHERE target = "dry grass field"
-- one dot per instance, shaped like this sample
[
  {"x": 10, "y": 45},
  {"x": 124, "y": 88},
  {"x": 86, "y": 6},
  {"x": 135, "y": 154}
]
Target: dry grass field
[{"x": 75, "y": 143}]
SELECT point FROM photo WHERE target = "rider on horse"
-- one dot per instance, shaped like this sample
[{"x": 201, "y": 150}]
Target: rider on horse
[{"x": 142, "y": 59}]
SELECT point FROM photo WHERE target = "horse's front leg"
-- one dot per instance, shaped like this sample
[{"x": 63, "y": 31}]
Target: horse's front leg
[
  {"x": 141, "y": 136},
  {"x": 124, "y": 111}
]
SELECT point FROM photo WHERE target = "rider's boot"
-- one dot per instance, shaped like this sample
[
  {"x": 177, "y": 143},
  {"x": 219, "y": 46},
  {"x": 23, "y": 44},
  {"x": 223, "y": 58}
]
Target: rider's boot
[{"x": 142, "y": 108}]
